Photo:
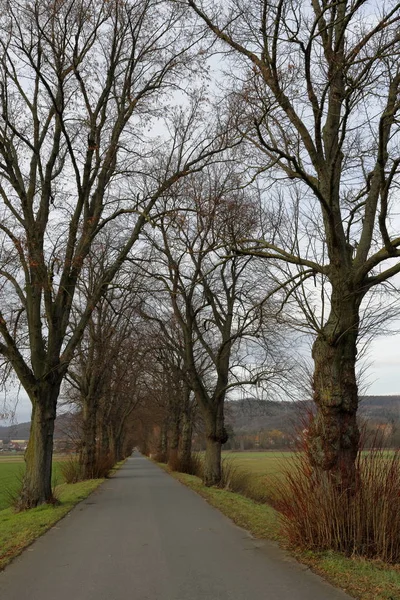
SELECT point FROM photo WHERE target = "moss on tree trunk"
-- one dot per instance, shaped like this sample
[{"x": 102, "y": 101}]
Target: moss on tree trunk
[
  {"x": 334, "y": 433},
  {"x": 37, "y": 488}
]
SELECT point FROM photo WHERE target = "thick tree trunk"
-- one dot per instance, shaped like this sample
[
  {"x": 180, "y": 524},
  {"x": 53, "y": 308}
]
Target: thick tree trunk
[
  {"x": 112, "y": 444},
  {"x": 37, "y": 487},
  {"x": 87, "y": 457},
  {"x": 174, "y": 443},
  {"x": 215, "y": 436},
  {"x": 104, "y": 445},
  {"x": 212, "y": 462},
  {"x": 118, "y": 445},
  {"x": 334, "y": 434},
  {"x": 185, "y": 452}
]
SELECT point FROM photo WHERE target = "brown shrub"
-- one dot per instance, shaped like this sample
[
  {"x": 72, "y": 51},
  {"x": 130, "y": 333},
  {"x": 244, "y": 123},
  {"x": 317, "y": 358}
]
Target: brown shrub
[
  {"x": 71, "y": 470},
  {"x": 103, "y": 466},
  {"x": 159, "y": 457},
  {"x": 317, "y": 514},
  {"x": 191, "y": 466}
]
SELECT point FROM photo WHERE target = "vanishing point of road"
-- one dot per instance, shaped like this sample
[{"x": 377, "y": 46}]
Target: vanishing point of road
[{"x": 144, "y": 536}]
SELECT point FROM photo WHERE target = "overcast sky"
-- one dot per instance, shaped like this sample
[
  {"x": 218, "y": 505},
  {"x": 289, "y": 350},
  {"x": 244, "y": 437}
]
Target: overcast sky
[
  {"x": 384, "y": 372},
  {"x": 383, "y": 375}
]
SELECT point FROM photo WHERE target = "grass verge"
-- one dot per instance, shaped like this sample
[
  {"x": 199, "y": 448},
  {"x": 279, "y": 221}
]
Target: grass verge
[
  {"x": 362, "y": 579},
  {"x": 19, "y": 530}
]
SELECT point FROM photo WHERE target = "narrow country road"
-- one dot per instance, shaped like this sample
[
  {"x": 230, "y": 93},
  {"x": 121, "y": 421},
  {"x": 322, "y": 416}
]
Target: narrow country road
[{"x": 144, "y": 536}]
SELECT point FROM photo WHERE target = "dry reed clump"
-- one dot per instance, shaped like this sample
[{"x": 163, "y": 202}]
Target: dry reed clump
[
  {"x": 318, "y": 514},
  {"x": 103, "y": 466},
  {"x": 159, "y": 457},
  {"x": 190, "y": 466},
  {"x": 71, "y": 470}
]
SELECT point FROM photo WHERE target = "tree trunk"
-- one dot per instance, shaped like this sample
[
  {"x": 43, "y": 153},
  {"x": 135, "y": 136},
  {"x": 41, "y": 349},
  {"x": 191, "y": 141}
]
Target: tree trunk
[
  {"x": 334, "y": 434},
  {"x": 112, "y": 444},
  {"x": 212, "y": 462},
  {"x": 87, "y": 457},
  {"x": 163, "y": 442},
  {"x": 185, "y": 453},
  {"x": 215, "y": 436},
  {"x": 104, "y": 445},
  {"x": 118, "y": 445},
  {"x": 174, "y": 443},
  {"x": 37, "y": 487}
]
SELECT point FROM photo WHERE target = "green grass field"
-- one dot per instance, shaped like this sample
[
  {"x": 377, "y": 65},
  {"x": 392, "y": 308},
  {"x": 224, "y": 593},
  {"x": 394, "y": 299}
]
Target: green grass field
[
  {"x": 11, "y": 472},
  {"x": 260, "y": 463}
]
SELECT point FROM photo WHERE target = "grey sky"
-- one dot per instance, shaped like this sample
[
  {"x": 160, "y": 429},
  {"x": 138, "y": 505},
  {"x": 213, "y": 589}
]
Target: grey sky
[{"x": 383, "y": 374}]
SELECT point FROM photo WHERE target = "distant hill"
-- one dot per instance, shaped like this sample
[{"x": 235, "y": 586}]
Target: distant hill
[
  {"x": 20, "y": 431},
  {"x": 384, "y": 409},
  {"x": 251, "y": 416}
]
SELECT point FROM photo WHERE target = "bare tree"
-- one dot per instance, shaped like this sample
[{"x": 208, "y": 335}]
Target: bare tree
[
  {"x": 81, "y": 83},
  {"x": 108, "y": 342},
  {"x": 320, "y": 91},
  {"x": 215, "y": 304}
]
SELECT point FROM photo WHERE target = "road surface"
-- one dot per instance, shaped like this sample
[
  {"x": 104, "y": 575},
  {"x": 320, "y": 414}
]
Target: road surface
[{"x": 144, "y": 536}]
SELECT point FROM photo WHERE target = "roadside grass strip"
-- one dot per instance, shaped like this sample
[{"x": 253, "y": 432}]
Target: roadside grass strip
[
  {"x": 362, "y": 579},
  {"x": 19, "y": 530}
]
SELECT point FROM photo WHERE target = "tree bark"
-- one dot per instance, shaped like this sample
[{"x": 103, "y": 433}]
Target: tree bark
[
  {"x": 212, "y": 462},
  {"x": 174, "y": 442},
  {"x": 104, "y": 445},
  {"x": 118, "y": 445},
  {"x": 87, "y": 457},
  {"x": 163, "y": 442},
  {"x": 334, "y": 434},
  {"x": 215, "y": 436},
  {"x": 37, "y": 487},
  {"x": 185, "y": 452}
]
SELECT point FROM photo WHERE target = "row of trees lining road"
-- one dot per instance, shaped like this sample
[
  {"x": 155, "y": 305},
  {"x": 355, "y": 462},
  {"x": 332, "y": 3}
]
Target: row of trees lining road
[
  {"x": 105, "y": 375},
  {"x": 81, "y": 84},
  {"x": 218, "y": 309},
  {"x": 318, "y": 99},
  {"x": 156, "y": 245}
]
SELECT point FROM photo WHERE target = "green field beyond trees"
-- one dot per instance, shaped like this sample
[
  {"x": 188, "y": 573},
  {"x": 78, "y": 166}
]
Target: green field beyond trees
[
  {"x": 12, "y": 469},
  {"x": 260, "y": 463}
]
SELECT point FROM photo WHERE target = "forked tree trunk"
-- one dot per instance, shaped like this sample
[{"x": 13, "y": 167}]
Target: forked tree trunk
[
  {"x": 87, "y": 457},
  {"x": 334, "y": 434},
  {"x": 215, "y": 436},
  {"x": 36, "y": 488}
]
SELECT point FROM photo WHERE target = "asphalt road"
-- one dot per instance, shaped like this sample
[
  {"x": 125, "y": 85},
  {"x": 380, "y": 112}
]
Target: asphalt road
[{"x": 144, "y": 536}]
